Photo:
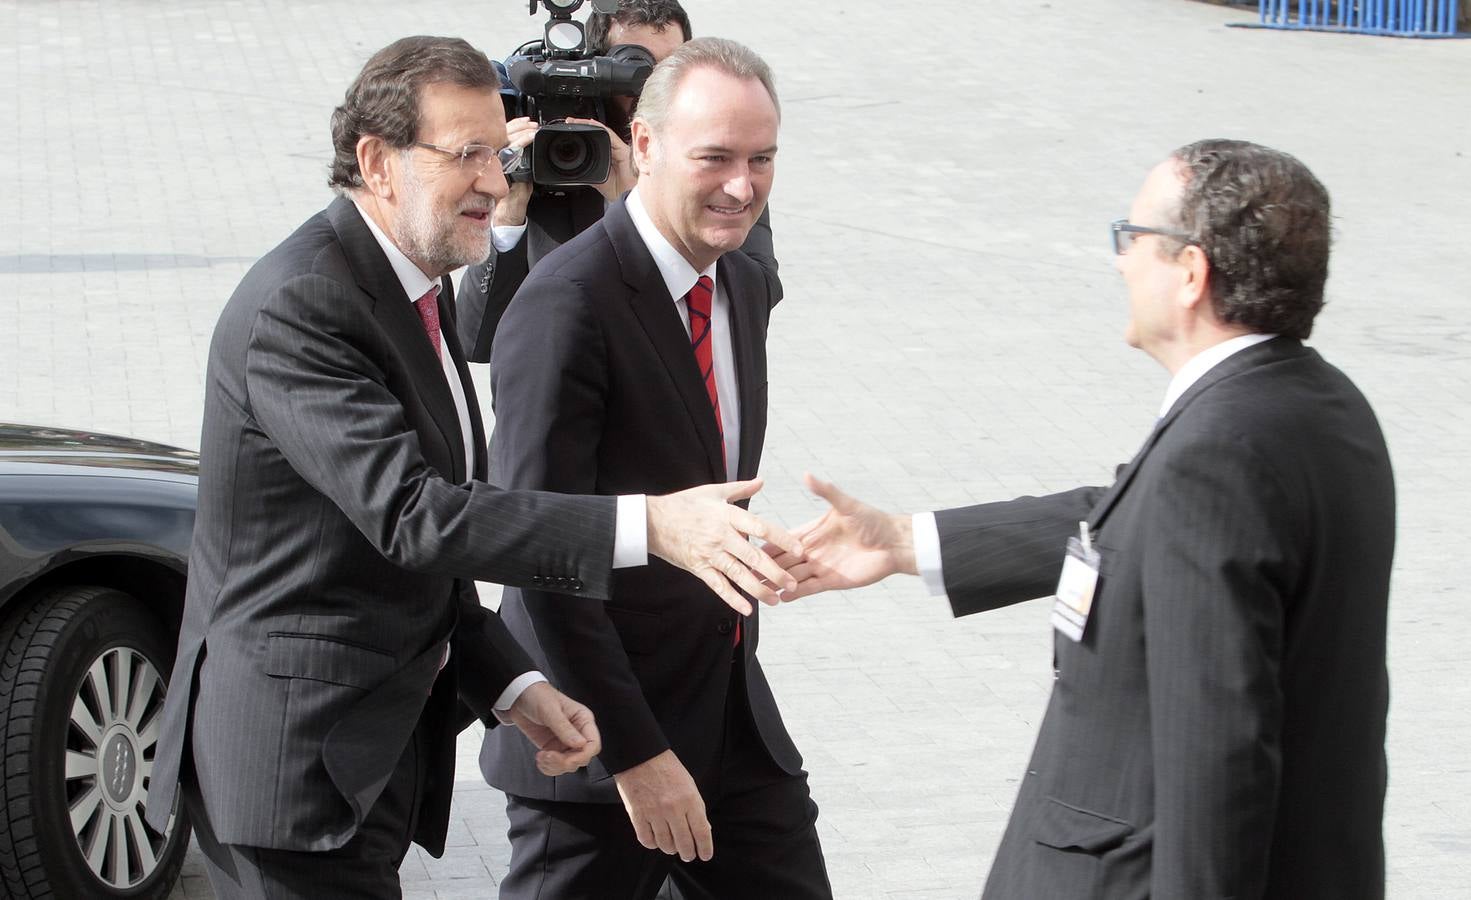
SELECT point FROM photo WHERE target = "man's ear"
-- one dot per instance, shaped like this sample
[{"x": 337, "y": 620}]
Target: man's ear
[
  {"x": 642, "y": 145},
  {"x": 376, "y": 161},
  {"x": 1195, "y": 270}
]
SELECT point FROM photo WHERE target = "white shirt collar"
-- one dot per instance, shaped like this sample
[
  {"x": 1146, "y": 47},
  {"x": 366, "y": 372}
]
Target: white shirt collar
[
  {"x": 679, "y": 275},
  {"x": 415, "y": 283},
  {"x": 1203, "y": 362}
]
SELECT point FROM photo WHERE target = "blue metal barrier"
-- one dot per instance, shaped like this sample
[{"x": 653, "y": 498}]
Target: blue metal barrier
[{"x": 1398, "y": 18}]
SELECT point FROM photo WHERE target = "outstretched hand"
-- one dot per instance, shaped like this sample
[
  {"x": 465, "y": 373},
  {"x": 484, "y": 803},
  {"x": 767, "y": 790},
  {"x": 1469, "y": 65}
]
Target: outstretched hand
[
  {"x": 852, "y": 545},
  {"x": 703, "y": 532},
  {"x": 562, "y": 729}
]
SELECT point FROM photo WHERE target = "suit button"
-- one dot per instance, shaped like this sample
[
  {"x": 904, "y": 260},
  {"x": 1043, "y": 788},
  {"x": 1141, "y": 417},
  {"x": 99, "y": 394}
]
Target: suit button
[
  {"x": 724, "y": 627},
  {"x": 538, "y": 580},
  {"x": 577, "y": 584}
]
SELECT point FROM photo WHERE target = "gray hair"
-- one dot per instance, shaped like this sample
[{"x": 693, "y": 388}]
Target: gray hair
[{"x": 736, "y": 60}]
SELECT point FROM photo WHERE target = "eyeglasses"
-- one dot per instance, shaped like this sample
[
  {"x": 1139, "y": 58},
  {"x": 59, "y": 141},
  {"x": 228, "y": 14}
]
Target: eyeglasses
[
  {"x": 479, "y": 157},
  {"x": 1125, "y": 234}
]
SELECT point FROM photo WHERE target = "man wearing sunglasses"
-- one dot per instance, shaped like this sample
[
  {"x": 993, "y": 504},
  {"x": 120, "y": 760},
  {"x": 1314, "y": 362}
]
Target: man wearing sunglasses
[
  {"x": 1216, "y": 725},
  {"x": 332, "y": 644}
]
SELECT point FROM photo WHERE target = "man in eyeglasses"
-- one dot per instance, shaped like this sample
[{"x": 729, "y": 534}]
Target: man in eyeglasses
[
  {"x": 530, "y": 224},
  {"x": 1216, "y": 726},
  {"x": 332, "y": 645}
]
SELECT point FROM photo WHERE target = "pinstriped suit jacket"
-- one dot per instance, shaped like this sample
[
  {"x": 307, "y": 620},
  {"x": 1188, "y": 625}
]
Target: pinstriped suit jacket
[
  {"x": 337, "y": 529},
  {"x": 1219, "y": 731}
]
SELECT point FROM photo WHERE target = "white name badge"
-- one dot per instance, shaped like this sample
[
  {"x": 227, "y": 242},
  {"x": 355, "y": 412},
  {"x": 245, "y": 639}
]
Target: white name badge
[{"x": 1074, "y": 599}]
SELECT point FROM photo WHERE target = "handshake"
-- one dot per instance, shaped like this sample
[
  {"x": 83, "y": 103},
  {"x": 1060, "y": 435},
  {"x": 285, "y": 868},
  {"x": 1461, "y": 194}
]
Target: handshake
[{"x": 850, "y": 546}]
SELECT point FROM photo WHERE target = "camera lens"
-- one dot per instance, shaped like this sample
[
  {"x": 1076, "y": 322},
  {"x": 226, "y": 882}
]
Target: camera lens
[{"x": 568, "y": 154}]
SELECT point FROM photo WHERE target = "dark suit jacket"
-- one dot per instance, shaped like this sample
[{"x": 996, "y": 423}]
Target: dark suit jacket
[
  {"x": 597, "y": 391},
  {"x": 1219, "y": 731},
  {"x": 337, "y": 528},
  {"x": 551, "y": 221}
]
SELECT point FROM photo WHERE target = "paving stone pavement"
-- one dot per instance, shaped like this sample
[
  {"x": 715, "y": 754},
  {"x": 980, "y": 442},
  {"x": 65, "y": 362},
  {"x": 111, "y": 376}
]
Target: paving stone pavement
[{"x": 951, "y": 331}]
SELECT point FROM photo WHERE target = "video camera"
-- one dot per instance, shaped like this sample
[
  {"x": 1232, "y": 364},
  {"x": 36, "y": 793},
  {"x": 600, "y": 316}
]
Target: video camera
[{"x": 559, "y": 76}]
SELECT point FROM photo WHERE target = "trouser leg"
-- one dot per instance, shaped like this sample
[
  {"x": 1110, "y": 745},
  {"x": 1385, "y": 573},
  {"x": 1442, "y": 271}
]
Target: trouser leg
[
  {"x": 365, "y": 868},
  {"x": 763, "y": 820},
  {"x": 577, "y": 851}
]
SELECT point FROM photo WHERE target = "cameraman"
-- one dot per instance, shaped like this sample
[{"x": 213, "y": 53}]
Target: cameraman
[{"x": 528, "y": 226}]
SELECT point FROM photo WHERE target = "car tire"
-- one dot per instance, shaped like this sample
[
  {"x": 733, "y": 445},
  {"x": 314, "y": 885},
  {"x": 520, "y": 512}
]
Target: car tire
[{"x": 82, "y": 677}]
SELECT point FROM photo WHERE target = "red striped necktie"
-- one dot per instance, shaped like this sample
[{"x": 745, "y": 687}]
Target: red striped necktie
[{"x": 698, "y": 303}]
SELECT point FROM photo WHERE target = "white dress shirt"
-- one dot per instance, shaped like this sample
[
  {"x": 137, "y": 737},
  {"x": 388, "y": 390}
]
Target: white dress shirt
[
  {"x": 679, "y": 276},
  {"x": 1203, "y": 362},
  {"x": 927, "y": 532}
]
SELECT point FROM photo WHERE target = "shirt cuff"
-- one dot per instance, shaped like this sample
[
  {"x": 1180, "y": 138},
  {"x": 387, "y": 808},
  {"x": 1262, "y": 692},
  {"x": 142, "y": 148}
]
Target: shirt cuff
[
  {"x": 513, "y": 692},
  {"x": 506, "y": 237},
  {"x": 631, "y": 533},
  {"x": 927, "y": 552}
]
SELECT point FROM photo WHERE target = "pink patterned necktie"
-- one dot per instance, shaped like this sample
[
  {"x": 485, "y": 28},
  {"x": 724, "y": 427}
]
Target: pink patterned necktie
[{"x": 428, "y": 307}]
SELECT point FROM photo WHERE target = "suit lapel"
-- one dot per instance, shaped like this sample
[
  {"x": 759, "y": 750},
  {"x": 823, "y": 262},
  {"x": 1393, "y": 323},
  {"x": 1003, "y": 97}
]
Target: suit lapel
[
  {"x": 397, "y": 316},
  {"x": 746, "y": 338},
  {"x": 1251, "y": 357},
  {"x": 655, "y": 311},
  {"x": 1123, "y": 477}
]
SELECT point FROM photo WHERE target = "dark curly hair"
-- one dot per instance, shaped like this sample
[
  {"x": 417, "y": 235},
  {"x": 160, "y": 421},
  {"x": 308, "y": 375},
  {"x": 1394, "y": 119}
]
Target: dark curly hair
[
  {"x": 1262, "y": 220},
  {"x": 384, "y": 99},
  {"x": 657, "y": 14}
]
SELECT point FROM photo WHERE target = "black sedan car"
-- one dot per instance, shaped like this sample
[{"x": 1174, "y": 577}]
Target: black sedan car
[{"x": 94, "y": 535}]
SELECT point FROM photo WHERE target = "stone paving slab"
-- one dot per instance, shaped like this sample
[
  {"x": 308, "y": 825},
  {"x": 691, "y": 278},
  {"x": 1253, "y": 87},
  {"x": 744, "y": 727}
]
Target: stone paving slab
[{"x": 951, "y": 332}]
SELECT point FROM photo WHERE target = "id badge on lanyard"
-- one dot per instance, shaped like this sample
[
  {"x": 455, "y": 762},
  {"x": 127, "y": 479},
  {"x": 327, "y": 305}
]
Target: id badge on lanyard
[{"x": 1075, "y": 587}]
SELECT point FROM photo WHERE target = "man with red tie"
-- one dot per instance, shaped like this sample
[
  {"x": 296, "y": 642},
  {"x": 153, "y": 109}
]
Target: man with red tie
[{"x": 633, "y": 359}]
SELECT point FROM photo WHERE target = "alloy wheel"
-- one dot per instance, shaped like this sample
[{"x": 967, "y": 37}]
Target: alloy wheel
[{"x": 111, "y": 743}]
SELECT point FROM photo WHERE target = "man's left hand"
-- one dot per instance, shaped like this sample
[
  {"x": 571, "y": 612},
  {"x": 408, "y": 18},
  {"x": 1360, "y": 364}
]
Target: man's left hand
[{"x": 563, "y": 730}]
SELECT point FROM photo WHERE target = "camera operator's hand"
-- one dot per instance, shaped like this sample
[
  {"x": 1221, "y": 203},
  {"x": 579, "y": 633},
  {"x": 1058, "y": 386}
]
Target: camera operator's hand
[
  {"x": 512, "y": 210},
  {"x": 621, "y": 175}
]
